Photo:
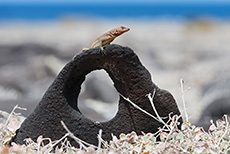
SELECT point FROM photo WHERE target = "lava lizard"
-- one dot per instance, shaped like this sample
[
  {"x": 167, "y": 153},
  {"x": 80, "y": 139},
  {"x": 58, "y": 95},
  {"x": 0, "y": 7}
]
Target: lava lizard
[{"x": 107, "y": 38}]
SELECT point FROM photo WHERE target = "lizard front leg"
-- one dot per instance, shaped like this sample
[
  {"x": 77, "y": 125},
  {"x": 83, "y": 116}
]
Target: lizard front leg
[{"x": 100, "y": 45}]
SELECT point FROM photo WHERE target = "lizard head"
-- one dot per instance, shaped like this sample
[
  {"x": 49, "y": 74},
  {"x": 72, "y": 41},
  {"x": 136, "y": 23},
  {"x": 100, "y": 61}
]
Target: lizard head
[{"x": 120, "y": 30}]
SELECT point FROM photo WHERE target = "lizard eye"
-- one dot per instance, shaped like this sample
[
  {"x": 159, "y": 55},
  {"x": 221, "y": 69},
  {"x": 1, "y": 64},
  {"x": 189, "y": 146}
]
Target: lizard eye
[{"x": 123, "y": 28}]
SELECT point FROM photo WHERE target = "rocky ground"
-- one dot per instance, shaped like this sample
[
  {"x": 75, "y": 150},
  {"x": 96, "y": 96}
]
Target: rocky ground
[{"x": 32, "y": 54}]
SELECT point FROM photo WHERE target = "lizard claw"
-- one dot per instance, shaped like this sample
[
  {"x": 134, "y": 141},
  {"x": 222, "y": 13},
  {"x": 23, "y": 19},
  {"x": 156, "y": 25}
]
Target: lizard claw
[
  {"x": 74, "y": 56},
  {"x": 102, "y": 51}
]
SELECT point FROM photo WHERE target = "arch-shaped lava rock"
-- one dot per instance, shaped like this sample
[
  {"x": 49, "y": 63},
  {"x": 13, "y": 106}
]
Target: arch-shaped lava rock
[{"x": 130, "y": 78}]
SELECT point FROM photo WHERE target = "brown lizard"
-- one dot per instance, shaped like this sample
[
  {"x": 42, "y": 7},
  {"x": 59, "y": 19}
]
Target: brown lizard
[{"x": 108, "y": 37}]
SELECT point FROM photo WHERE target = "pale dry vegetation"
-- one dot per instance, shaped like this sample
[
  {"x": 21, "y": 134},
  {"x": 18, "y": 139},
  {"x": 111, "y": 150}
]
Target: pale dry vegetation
[{"x": 169, "y": 139}]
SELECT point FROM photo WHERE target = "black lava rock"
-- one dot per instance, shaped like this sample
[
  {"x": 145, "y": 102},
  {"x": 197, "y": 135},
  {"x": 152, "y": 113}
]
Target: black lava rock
[{"x": 131, "y": 79}]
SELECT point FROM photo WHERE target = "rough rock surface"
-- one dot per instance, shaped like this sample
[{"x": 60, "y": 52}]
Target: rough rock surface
[{"x": 130, "y": 78}]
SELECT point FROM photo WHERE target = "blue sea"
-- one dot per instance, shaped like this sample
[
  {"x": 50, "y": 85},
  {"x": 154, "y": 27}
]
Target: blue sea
[{"x": 54, "y": 11}]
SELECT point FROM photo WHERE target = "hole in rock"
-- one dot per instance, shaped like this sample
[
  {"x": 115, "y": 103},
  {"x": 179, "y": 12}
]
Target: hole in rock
[{"x": 98, "y": 99}]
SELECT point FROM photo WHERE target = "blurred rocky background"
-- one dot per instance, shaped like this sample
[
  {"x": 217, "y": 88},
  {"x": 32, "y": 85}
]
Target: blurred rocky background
[{"x": 171, "y": 44}]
